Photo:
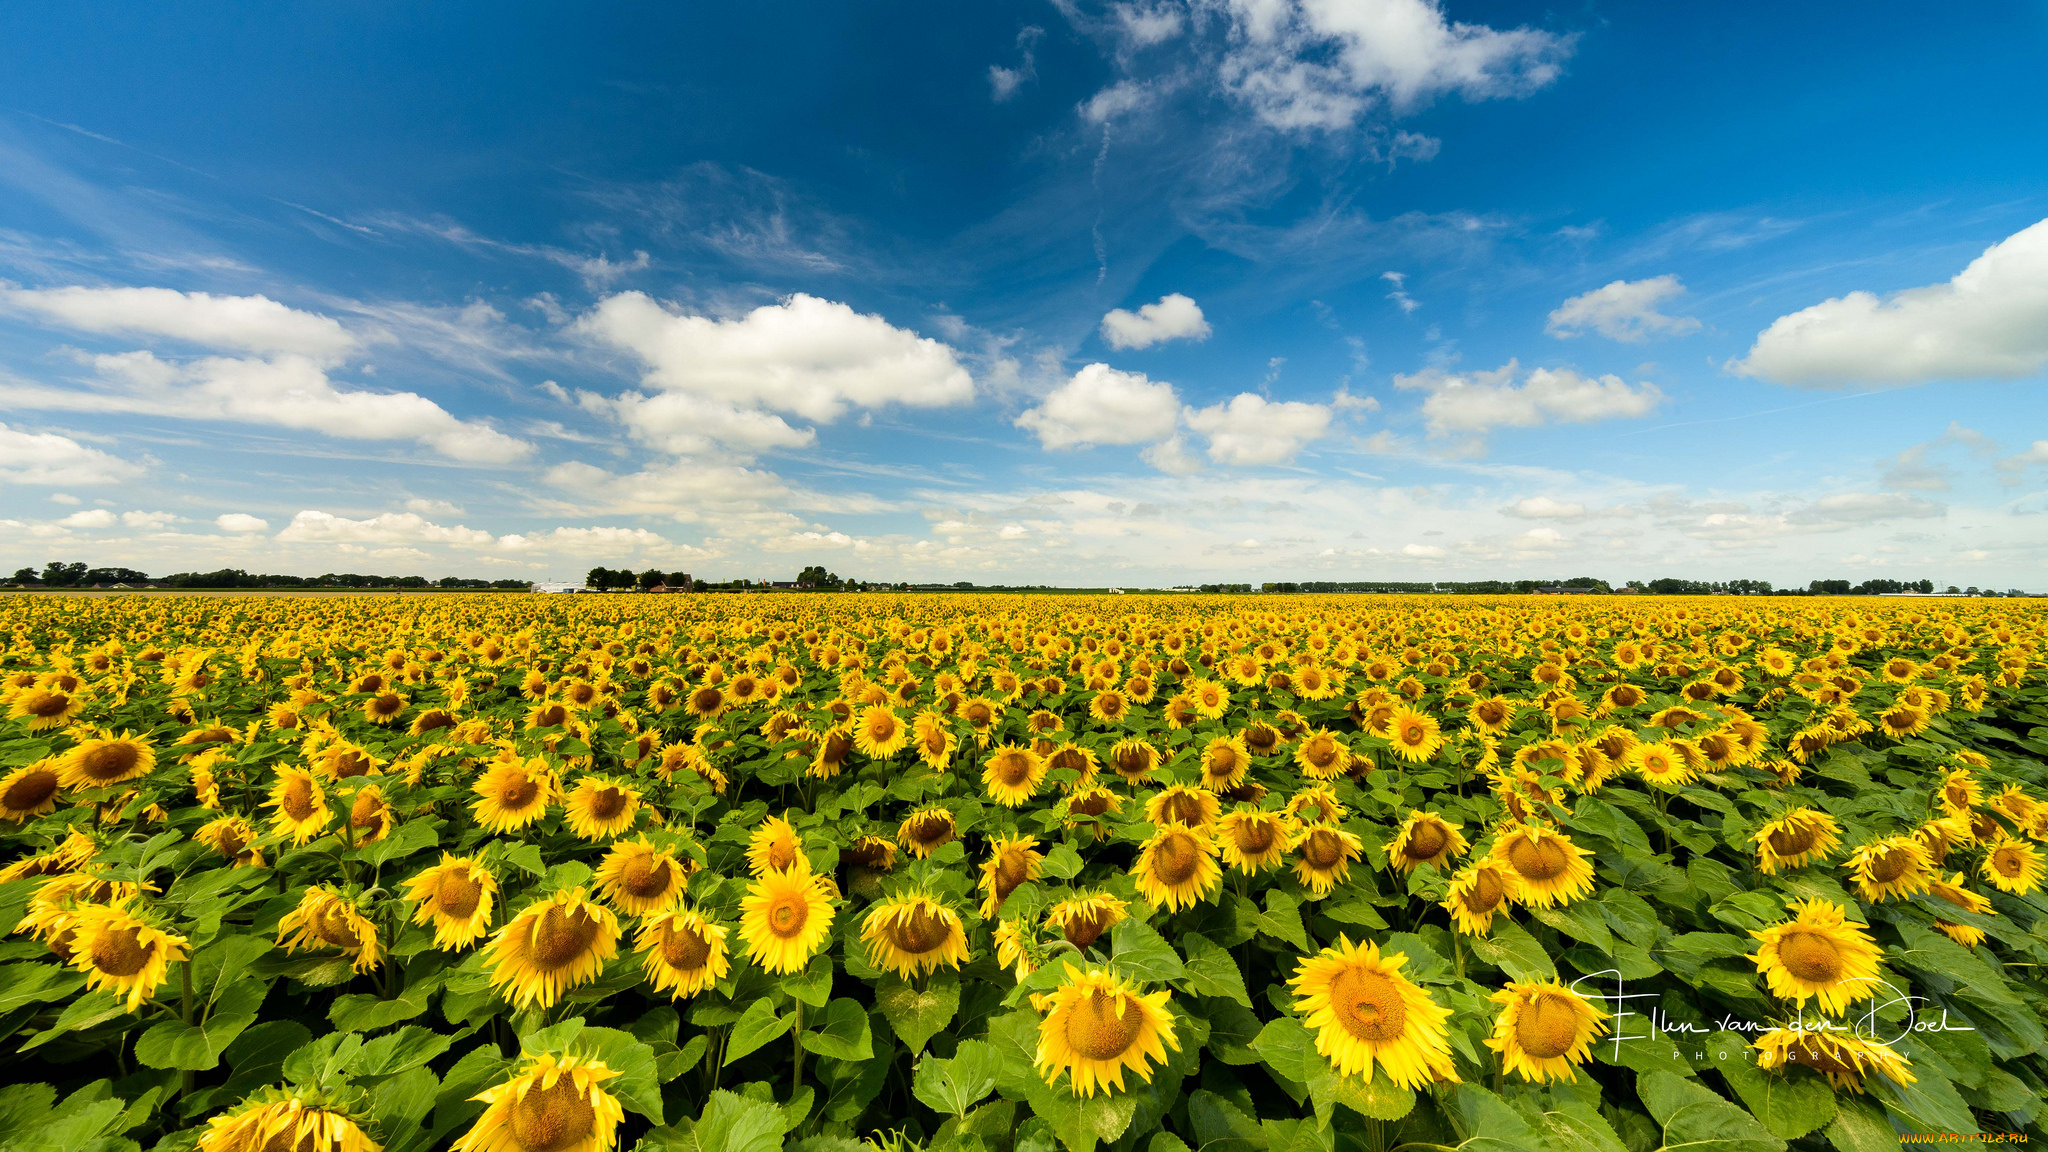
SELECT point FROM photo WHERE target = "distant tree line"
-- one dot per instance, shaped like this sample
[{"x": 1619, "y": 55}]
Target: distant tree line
[{"x": 57, "y": 574}]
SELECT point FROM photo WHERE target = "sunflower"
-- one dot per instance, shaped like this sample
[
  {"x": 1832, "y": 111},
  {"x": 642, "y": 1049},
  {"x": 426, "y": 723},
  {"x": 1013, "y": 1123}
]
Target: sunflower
[
  {"x": 599, "y": 807},
  {"x": 1952, "y": 890},
  {"x": 234, "y": 838},
  {"x": 513, "y": 794},
  {"x": 1097, "y": 1025},
  {"x": 1012, "y": 774},
  {"x": 1844, "y": 1058},
  {"x": 1475, "y": 894},
  {"x": 1416, "y": 736},
  {"x": 1013, "y": 862},
  {"x": 1363, "y": 1010},
  {"x": 1109, "y": 707},
  {"x": 1326, "y": 853},
  {"x": 1253, "y": 841},
  {"x": 76, "y": 850},
  {"x": 1015, "y": 949},
  {"x": 1322, "y": 756},
  {"x": 1543, "y": 1029},
  {"x": 1086, "y": 807},
  {"x": 456, "y": 897},
  {"x": 29, "y": 791},
  {"x": 301, "y": 804},
  {"x": 932, "y": 736},
  {"x": 1177, "y": 868},
  {"x": 685, "y": 953},
  {"x": 1083, "y": 919},
  {"x": 1225, "y": 764},
  {"x": 324, "y": 919},
  {"x": 640, "y": 879},
  {"x": 774, "y": 847},
  {"x": 879, "y": 733},
  {"x": 556, "y": 943},
  {"x": 785, "y": 918},
  {"x": 926, "y": 831},
  {"x": 385, "y": 708},
  {"x": 287, "y": 1118},
  {"x": 1903, "y": 720},
  {"x": 46, "y": 708},
  {"x": 1893, "y": 867},
  {"x": 1960, "y": 792},
  {"x": 1426, "y": 838},
  {"x": 1818, "y": 954},
  {"x": 344, "y": 760},
  {"x": 914, "y": 934},
  {"x": 106, "y": 760},
  {"x": 1180, "y": 804},
  {"x": 553, "y": 1104},
  {"x": 1800, "y": 837},
  {"x": 1662, "y": 764},
  {"x": 1133, "y": 760},
  {"x": 370, "y": 818},
  {"x": 2012, "y": 866},
  {"x": 1077, "y": 760},
  {"x": 1547, "y": 868}
]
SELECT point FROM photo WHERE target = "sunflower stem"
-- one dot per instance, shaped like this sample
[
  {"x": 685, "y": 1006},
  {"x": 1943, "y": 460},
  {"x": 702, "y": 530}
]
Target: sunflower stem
[{"x": 796, "y": 1049}]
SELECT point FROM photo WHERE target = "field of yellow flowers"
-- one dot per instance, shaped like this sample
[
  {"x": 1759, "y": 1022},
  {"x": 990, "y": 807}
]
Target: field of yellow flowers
[{"x": 830, "y": 873}]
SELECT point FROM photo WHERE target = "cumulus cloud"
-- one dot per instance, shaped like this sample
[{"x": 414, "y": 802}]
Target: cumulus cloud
[
  {"x": 1250, "y": 430},
  {"x": 1172, "y": 457},
  {"x": 1171, "y": 317},
  {"x": 1101, "y": 405},
  {"x": 240, "y": 522},
  {"x": 1543, "y": 508},
  {"x": 1624, "y": 310},
  {"x": 245, "y": 323},
  {"x": 687, "y": 424},
  {"x": 390, "y": 528},
  {"x": 90, "y": 518},
  {"x": 47, "y": 458},
  {"x": 601, "y": 542},
  {"x": 1989, "y": 322},
  {"x": 1474, "y": 403},
  {"x": 1866, "y": 508}
]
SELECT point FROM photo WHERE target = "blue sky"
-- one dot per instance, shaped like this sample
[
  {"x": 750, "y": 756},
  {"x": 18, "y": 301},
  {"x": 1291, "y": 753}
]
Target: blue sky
[{"x": 1153, "y": 292}]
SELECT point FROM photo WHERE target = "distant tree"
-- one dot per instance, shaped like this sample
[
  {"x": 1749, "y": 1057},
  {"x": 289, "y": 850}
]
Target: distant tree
[
  {"x": 650, "y": 578},
  {"x": 599, "y": 578},
  {"x": 26, "y": 576},
  {"x": 58, "y": 574},
  {"x": 678, "y": 580},
  {"x": 1829, "y": 587}
]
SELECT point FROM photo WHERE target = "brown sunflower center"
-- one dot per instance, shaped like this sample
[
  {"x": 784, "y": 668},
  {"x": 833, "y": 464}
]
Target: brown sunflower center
[
  {"x": 1255, "y": 836},
  {"x": 781, "y": 854},
  {"x": 1546, "y": 1026},
  {"x": 1889, "y": 865},
  {"x": 647, "y": 876},
  {"x": 685, "y": 949},
  {"x": 1183, "y": 808},
  {"x": 231, "y": 842},
  {"x": 1811, "y": 956},
  {"x": 1085, "y": 927},
  {"x": 1426, "y": 841},
  {"x": 436, "y": 719},
  {"x": 1092, "y": 804},
  {"x": 350, "y": 764},
  {"x": 120, "y": 951},
  {"x": 1368, "y": 1004},
  {"x": 297, "y": 800},
  {"x": 607, "y": 803},
  {"x": 788, "y": 915},
  {"x": 331, "y": 924},
  {"x": 562, "y": 936},
  {"x": 43, "y": 705},
  {"x": 1323, "y": 850},
  {"x": 932, "y": 830},
  {"x": 110, "y": 761},
  {"x": 1262, "y": 740},
  {"x": 552, "y": 1119},
  {"x": 1103, "y": 1026},
  {"x": 2008, "y": 862},
  {"x": 1012, "y": 868},
  {"x": 1413, "y": 734},
  {"x": 518, "y": 792},
  {"x": 1176, "y": 859},
  {"x": 919, "y": 931},
  {"x": 457, "y": 893},
  {"x": 389, "y": 704},
  {"x": 1486, "y": 891},
  {"x": 1538, "y": 859},
  {"x": 29, "y": 791},
  {"x": 1013, "y": 768},
  {"x": 1794, "y": 840}
]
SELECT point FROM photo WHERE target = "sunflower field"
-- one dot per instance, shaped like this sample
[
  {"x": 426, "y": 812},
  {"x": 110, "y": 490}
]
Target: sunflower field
[{"x": 832, "y": 873}]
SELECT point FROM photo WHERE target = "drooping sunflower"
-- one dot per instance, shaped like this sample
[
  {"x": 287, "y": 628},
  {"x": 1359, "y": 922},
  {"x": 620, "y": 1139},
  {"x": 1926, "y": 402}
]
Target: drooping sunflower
[
  {"x": 122, "y": 953},
  {"x": 46, "y": 708},
  {"x": 1097, "y": 1025},
  {"x": 234, "y": 838},
  {"x": 301, "y": 804},
  {"x": 1548, "y": 868},
  {"x": 1012, "y": 774},
  {"x": 288, "y": 1118},
  {"x": 326, "y": 919},
  {"x": 1800, "y": 837},
  {"x": 1894, "y": 867},
  {"x": 1960, "y": 792},
  {"x": 785, "y": 918},
  {"x": 913, "y": 934},
  {"x": 640, "y": 879},
  {"x": 685, "y": 953},
  {"x": 1426, "y": 838},
  {"x": 1177, "y": 868},
  {"x": 1325, "y": 853},
  {"x": 879, "y": 732},
  {"x": 553, "y": 1104},
  {"x": 1544, "y": 1029},
  {"x": 1317, "y": 804},
  {"x": 1083, "y": 919},
  {"x": 1015, "y": 948},
  {"x": 106, "y": 760},
  {"x": 1479, "y": 890},
  {"x": 599, "y": 808},
  {"x": 455, "y": 896},
  {"x": 1013, "y": 862},
  {"x": 1953, "y": 891},
  {"x": 1416, "y": 736},
  {"x": 774, "y": 847},
  {"x": 1843, "y": 1057},
  {"x": 370, "y": 817},
  {"x": 1818, "y": 954},
  {"x": 2012, "y": 866},
  {"x": 1365, "y": 1013},
  {"x": 513, "y": 794},
  {"x": 1087, "y": 806},
  {"x": 1133, "y": 760},
  {"x": 558, "y": 942},
  {"x": 1225, "y": 764},
  {"x": 29, "y": 791},
  {"x": 1180, "y": 804},
  {"x": 1322, "y": 756},
  {"x": 932, "y": 736},
  {"x": 926, "y": 831},
  {"x": 1253, "y": 841}
]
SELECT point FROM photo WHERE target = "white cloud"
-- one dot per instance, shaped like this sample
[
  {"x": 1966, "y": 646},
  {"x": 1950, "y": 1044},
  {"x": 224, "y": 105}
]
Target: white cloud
[
  {"x": 1172, "y": 457},
  {"x": 1989, "y": 322},
  {"x": 1003, "y": 83},
  {"x": 240, "y": 522},
  {"x": 1321, "y": 64},
  {"x": 47, "y": 458},
  {"x": 601, "y": 543},
  {"x": 1171, "y": 317},
  {"x": 1477, "y": 402},
  {"x": 689, "y": 425},
  {"x": 90, "y": 518},
  {"x": 1250, "y": 430},
  {"x": 1422, "y": 551},
  {"x": 430, "y": 507},
  {"x": 390, "y": 528},
  {"x": 63, "y": 498},
  {"x": 246, "y": 323},
  {"x": 1101, "y": 405},
  {"x": 1624, "y": 310},
  {"x": 1543, "y": 508},
  {"x": 1866, "y": 508},
  {"x": 1400, "y": 296},
  {"x": 150, "y": 521}
]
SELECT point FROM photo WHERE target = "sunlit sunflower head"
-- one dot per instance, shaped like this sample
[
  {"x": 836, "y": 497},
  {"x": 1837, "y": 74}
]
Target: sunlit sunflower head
[
  {"x": 1818, "y": 954},
  {"x": 1943, "y": 835},
  {"x": 1894, "y": 867},
  {"x": 1415, "y": 736},
  {"x": 2013, "y": 866},
  {"x": 122, "y": 953},
  {"x": 1544, "y": 1029},
  {"x": 550, "y": 1105},
  {"x": 879, "y": 732},
  {"x": 1260, "y": 738},
  {"x": 234, "y": 838},
  {"x": 1321, "y": 755},
  {"x": 1426, "y": 838},
  {"x": 1097, "y": 1026},
  {"x": 1015, "y": 948},
  {"x": 301, "y": 804},
  {"x": 370, "y": 817},
  {"x": 557, "y": 943},
  {"x": 1662, "y": 764},
  {"x": 1183, "y": 805},
  {"x": 1323, "y": 857},
  {"x": 774, "y": 847},
  {"x": 1365, "y": 1013},
  {"x": 1904, "y": 720},
  {"x": 327, "y": 919},
  {"x": 785, "y": 918},
  {"x": 1253, "y": 841},
  {"x": 1547, "y": 868},
  {"x": 1225, "y": 764},
  {"x": 1843, "y": 1057},
  {"x": 1479, "y": 890},
  {"x": 30, "y": 791},
  {"x": 1133, "y": 760},
  {"x": 385, "y": 708},
  {"x": 1953, "y": 891},
  {"x": 1013, "y": 862},
  {"x": 106, "y": 760},
  {"x": 1109, "y": 707},
  {"x": 300, "y": 1120},
  {"x": 1316, "y": 805},
  {"x": 455, "y": 896},
  {"x": 640, "y": 879},
  {"x": 1076, "y": 759},
  {"x": 599, "y": 807},
  {"x": 513, "y": 794},
  {"x": 683, "y": 953},
  {"x": 1800, "y": 837},
  {"x": 1083, "y": 919},
  {"x": 913, "y": 934},
  {"x": 343, "y": 760},
  {"x": 46, "y": 708},
  {"x": 931, "y": 734},
  {"x": 1960, "y": 792},
  {"x": 926, "y": 831},
  {"x": 1177, "y": 868},
  {"x": 1012, "y": 774}
]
